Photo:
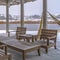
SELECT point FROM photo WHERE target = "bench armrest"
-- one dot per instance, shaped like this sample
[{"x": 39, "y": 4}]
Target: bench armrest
[
  {"x": 4, "y": 47},
  {"x": 51, "y": 37},
  {"x": 10, "y": 32}
]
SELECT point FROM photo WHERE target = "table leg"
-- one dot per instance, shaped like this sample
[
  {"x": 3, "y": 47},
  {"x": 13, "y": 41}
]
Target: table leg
[
  {"x": 10, "y": 57},
  {"x": 23, "y": 55},
  {"x": 32, "y": 38},
  {"x": 28, "y": 39},
  {"x": 35, "y": 38},
  {"x": 6, "y": 50}
]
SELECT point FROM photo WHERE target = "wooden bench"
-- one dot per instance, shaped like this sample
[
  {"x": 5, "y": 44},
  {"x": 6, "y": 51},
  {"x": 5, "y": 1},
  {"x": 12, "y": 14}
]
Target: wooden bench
[
  {"x": 49, "y": 37},
  {"x": 19, "y": 30},
  {"x": 3, "y": 53}
]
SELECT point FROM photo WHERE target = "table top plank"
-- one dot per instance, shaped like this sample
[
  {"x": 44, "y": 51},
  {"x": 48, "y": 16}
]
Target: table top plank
[{"x": 18, "y": 44}]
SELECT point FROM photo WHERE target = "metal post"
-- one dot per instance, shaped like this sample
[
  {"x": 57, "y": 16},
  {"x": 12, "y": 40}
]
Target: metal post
[
  {"x": 44, "y": 13},
  {"x": 7, "y": 16},
  {"x": 22, "y": 13}
]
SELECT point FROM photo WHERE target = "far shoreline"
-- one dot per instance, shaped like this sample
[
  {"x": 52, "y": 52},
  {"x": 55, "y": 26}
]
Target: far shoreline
[{"x": 27, "y": 22}]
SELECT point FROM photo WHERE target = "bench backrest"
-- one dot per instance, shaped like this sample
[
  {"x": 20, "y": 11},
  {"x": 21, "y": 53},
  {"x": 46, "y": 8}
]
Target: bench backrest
[
  {"x": 48, "y": 33},
  {"x": 20, "y": 30}
]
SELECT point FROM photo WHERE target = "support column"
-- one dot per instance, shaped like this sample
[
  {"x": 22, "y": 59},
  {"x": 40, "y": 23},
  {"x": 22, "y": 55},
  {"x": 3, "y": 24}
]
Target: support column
[
  {"x": 44, "y": 13},
  {"x": 7, "y": 17},
  {"x": 22, "y": 13}
]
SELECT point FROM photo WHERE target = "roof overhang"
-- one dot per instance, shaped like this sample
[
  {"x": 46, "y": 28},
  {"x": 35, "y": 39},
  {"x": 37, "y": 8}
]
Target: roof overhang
[{"x": 13, "y": 2}]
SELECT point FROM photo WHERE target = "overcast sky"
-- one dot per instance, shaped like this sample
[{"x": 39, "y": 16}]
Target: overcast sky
[{"x": 33, "y": 8}]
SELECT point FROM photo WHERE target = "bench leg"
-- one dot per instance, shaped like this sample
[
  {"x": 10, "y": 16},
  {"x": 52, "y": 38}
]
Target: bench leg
[
  {"x": 46, "y": 50},
  {"x": 39, "y": 52},
  {"x": 55, "y": 44},
  {"x": 8, "y": 34}
]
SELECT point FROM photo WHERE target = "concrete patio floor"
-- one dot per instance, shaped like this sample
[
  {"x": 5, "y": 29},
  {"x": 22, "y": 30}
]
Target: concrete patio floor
[{"x": 53, "y": 54}]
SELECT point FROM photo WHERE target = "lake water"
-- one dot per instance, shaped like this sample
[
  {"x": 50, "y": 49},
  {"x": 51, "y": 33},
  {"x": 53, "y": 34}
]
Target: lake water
[{"x": 29, "y": 26}]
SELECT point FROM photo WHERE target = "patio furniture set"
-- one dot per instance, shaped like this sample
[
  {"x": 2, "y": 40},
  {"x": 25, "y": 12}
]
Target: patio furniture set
[{"x": 30, "y": 43}]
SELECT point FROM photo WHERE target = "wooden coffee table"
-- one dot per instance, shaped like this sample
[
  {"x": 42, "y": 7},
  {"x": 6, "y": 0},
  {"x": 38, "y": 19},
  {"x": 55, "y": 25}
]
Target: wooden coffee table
[{"x": 20, "y": 46}]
